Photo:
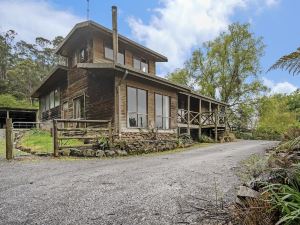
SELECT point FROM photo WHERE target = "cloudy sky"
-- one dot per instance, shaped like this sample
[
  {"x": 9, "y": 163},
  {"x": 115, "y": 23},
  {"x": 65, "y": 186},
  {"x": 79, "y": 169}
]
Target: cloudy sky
[{"x": 171, "y": 27}]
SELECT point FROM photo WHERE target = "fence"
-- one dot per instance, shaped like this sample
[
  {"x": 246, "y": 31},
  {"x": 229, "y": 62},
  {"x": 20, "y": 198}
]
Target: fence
[{"x": 71, "y": 133}]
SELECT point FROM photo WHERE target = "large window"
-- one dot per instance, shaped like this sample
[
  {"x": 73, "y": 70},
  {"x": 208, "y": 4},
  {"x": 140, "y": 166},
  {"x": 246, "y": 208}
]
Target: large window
[
  {"x": 83, "y": 55},
  {"x": 162, "y": 111},
  {"x": 137, "y": 63},
  {"x": 56, "y": 98},
  {"x": 121, "y": 58},
  {"x": 137, "y": 107},
  {"x": 78, "y": 107}
]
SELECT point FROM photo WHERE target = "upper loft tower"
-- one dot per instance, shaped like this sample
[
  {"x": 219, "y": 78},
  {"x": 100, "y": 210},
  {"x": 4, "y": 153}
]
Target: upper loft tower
[{"x": 90, "y": 42}]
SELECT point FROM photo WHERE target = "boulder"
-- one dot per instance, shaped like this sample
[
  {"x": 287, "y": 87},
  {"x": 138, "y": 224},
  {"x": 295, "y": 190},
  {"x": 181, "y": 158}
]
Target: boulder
[
  {"x": 110, "y": 153},
  {"x": 100, "y": 153},
  {"x": 88, "y": 153},
  {"x": 66, "y": 152},
  {"x": 246, "y": 192},
  {"x": 121, "y": 152},
  {"x": 75, "y": 152}
]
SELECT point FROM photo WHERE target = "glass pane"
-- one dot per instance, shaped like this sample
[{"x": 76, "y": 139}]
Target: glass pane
[
  {"x": 79, "y": 108},
  {"x": 142, "y": 101},
  {"x": 142, "y": 120},
  {"x": 121, "y": 58},
  {"x": 166, "y": 122},
  {"x": 132, "y": 119},
  {"x": 131, "y": 99},
  {"x": 158, "y": 105},
  {"x": 108, "y": 53},
  {"x": 52, "y": 100},
  {"x": 158, "y": 122},
  {"x": 136, "y": 63},
  {"x": 166, "y": 106},
  {"x": 56, "y": 98},
  {"x": 47, "y": 101},
  {"x": 144, "y": 67}
]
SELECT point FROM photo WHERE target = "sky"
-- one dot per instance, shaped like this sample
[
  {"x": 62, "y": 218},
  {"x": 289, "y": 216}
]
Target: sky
[{"x": 174, "y": 28}]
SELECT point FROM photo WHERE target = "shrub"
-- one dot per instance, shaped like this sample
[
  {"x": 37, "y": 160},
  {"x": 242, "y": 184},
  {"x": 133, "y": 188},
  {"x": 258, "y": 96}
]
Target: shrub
[
  {"x": 286, "y": 198},
  {"x": 206, "y": 139},
  {"x": 253, "y": 167}
]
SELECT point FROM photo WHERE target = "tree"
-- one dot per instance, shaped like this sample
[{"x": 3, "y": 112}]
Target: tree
[
  {"x": 290, "y": 62},
  {"x": 6, "y": 54},
  {"x": 227, "y": 69}
]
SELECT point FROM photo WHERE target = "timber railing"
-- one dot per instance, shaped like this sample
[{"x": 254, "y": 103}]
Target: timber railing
[
  {"x": 201, "y": 119},
  {"x": 66, "y": 130}
]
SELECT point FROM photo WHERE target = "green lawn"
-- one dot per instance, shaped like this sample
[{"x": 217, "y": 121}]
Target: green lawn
[{"x": 42, "y": 142}]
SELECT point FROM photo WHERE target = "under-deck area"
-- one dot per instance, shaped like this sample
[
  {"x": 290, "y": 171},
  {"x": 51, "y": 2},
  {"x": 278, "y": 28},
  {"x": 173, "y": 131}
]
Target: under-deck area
[{"x": 197, "y": 116}]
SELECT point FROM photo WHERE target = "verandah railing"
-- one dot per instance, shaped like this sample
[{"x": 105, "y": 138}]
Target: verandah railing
[{"x": 201, "y": 119}]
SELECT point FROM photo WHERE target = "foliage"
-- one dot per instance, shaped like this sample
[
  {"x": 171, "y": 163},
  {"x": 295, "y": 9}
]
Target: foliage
[
  {"x": 206, "y": 139},
  {"x": 2, "y": 147},
  {"x": 7, "y": 100},
  {"x": 290, "y": 62},
  {"x": 252, "y": 167},
  {"x": 24, "y": 65},
  {"x": 254, "y": 211},
  {"x": 286, "y": 198},
  {"x": 227, "y": 69},
  {"x": 275, "y": 116},
  {"x": 290, "y": 145}
]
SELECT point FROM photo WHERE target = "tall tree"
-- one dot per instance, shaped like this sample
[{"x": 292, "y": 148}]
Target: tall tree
[
  {"x": 227, "y": 69},
  {"x": 290, "y": 62},
  {"x": 6, "y": 53}
]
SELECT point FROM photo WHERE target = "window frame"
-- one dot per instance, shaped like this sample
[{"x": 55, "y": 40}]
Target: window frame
[
  {"x": 137, "y": 113},
  {"x": 106, "y": 46},
  {"x": 73, "y": 106},
  {"x": 85, "y": 56},
  {"x": 162, "y": 116}
]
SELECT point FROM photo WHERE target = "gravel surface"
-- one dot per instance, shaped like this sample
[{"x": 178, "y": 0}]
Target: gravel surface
[{"x": 155, "y": 189}]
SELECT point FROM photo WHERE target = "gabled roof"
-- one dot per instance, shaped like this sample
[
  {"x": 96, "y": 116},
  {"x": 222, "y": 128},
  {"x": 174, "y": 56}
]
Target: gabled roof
[
  {"x": 93, "y": 25},
  {"x": 55, "y": 75}
]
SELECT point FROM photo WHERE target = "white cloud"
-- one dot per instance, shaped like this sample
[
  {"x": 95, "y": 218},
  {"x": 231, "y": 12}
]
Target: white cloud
[
  {"x": 32, "y": 18},
  {"x": 279, "y": 88},
  {"x": 179, "y": 25},
  {"x": 271, "y": 3}
]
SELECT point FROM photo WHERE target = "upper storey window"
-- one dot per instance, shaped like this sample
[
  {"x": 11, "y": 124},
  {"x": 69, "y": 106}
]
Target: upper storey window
[
  {"x": 83, "y": 56},
  {"x": 109, "y": 54},
  {"x": 140, "y": 64}
]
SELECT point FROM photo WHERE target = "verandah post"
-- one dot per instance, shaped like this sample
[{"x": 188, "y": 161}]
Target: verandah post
[
  {"x": 109, "y": 132},
  {"x": 9, "y": 139}
]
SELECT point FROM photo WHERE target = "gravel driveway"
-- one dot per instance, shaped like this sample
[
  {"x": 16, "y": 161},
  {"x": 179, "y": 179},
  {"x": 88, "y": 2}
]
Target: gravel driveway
[{"x": 155, "y": 189}]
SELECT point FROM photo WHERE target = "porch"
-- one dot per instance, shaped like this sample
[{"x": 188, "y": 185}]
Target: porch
[{"x": 197, "y": 115}]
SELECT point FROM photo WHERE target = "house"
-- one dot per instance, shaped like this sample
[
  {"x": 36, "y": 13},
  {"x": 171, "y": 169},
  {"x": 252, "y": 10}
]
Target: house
[{"x": 109, "y": 76}]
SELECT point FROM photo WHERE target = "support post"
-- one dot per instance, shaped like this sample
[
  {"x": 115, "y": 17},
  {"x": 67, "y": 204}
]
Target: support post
[
  {"x": 188, "y": 116},
  {"x": 55, "y": 139},
  {"x": 216, "y": 126},
  {"x": 9, "y": 139},
  {"x": 109, "y": 132},
  {"x": 200, "y": 122}
]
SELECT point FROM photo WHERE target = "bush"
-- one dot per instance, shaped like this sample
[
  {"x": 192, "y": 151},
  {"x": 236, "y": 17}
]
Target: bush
[
  {"x": 244, "y": 135},
  {"x": 206, "y": 139},
  {"x": 286, "y": 198},
  {"x": 253, "y": 167}
]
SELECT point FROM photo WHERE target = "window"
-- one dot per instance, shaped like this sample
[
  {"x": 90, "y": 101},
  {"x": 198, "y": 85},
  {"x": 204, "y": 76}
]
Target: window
[
  {"x": 78, "y": 108},
  {"x": 43, "y": 104},
  {"x": 108, "y": 53},
  {"x": 56, "y": 98},
  {"x": 137, "y": 107},
  {"x": 162, "y": 111},
  {"x": 47, "y": 101},
  {"x": 65, "y": 110},
  {"x": 144, "y": 66},
  {"x": 83, "y": 55},
  {"x": 136, "y": 63},
  {"x": 121, "y": 58},
  {"x": 51, "y": 99}
]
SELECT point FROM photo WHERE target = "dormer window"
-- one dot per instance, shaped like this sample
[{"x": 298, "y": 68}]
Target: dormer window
[{"x": 83, "y": 55}]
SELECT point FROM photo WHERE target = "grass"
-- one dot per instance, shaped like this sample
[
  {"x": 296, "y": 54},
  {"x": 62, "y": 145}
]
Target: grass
[
  {"x": 41, "y": 141},
  {"x": 2, "y": 147}
]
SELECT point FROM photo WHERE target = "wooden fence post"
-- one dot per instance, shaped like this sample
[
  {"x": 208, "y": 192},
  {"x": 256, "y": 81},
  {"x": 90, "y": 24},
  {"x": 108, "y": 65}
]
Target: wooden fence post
[
  {"x": 9, "y": 139},
  {"x": 55, "y": 139}
]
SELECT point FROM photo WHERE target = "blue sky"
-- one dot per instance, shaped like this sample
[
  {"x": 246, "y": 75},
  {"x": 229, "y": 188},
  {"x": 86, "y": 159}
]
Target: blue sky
[{"x": 172, "y": 27}]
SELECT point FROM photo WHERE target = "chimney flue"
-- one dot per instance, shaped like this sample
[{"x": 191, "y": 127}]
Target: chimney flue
[{"x": 115, "y": 32}]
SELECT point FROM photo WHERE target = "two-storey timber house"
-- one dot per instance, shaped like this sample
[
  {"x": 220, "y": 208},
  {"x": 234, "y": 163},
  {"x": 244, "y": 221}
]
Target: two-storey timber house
[{"x": 109, "y": 76}]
